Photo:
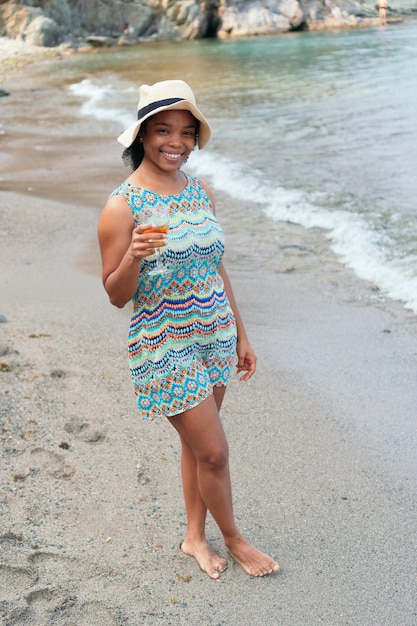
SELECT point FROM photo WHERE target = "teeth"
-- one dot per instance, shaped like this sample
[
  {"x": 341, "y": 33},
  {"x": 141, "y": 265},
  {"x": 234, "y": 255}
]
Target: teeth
[{"x": 172, "y": 156}]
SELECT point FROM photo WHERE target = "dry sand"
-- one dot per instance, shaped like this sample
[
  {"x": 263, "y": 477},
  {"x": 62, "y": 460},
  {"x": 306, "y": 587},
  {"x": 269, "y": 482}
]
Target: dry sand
[{"x": 322, "y": 440}]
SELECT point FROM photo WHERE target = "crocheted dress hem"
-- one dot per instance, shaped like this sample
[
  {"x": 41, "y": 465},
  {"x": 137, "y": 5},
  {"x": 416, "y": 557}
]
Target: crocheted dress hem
[{"x": 146, "y": 417}]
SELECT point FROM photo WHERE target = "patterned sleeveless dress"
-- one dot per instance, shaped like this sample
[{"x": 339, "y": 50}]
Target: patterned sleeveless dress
[{"x": 182, "y": 337}]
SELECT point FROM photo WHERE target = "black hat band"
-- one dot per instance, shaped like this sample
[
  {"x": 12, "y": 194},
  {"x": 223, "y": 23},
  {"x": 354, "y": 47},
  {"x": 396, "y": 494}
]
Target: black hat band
[{"x": 156, "y": 105}]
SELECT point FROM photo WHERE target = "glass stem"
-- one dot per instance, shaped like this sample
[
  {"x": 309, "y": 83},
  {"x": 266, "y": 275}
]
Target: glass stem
[{"x": 158, "y": 258}]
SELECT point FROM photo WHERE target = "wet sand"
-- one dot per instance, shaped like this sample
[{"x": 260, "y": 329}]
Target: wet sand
[{"x": 322, "y": 440}]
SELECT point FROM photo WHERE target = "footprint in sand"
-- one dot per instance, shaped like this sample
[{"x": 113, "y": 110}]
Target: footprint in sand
[
  {"x": 83, "y": 431},
  {"x": 97, "y": 613},
  {"x": 142, "y": 470},
  {"x": 54, "y": 567},
  {"x": 62, "y": 570},
  {"x": 49, "y": 599},
  {"x": 52, "y": 606},
  {"x": 45, "y": 593},
  {"x": 14, "y": 581},
  {"x": 53, "y": 463},
  {"x": 42, "y": 605}
]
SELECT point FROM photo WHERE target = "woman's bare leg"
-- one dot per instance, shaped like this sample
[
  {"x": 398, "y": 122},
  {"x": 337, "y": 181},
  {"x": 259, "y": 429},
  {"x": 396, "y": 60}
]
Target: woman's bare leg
[
  {"x": 195, "y": 542},
  {"x": 200, "y": 428}
]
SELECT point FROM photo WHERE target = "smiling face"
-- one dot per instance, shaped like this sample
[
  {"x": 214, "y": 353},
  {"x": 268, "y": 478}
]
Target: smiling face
[{"x": 168, "y": 138}]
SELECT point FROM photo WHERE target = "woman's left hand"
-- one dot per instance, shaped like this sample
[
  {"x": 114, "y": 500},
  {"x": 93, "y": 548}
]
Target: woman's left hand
[{"x": 246, "y": 360}]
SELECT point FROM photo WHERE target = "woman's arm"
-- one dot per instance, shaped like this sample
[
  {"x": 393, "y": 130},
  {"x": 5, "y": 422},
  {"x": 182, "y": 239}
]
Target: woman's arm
[
  {"x": 123, "y": 246},
  {"x": 246, "y": 355}
]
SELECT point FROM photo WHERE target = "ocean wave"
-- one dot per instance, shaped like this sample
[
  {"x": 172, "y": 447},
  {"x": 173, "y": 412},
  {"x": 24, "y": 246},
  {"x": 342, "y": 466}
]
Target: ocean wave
[
  {"x": 356, "y": 244},
  {"x": 97, "y": 99}
]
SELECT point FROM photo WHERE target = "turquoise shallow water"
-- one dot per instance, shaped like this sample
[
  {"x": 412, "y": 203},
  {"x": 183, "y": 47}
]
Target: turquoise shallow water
[{"x": 313, "y": 129}]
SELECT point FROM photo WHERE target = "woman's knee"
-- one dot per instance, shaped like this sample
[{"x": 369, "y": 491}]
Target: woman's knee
[{"x": 215, "y": 458}]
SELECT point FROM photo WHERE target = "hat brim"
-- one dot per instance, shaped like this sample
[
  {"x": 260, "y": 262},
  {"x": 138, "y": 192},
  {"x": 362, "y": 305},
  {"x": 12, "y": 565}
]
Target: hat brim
[{"x": 204, "y": 133}]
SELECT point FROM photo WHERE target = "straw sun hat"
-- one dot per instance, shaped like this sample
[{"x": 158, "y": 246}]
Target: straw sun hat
[{"x": 165, "y": 96}]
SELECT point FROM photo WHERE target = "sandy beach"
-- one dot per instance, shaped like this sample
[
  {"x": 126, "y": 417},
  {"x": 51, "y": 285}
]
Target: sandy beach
[{"x": 322, "y": 440}]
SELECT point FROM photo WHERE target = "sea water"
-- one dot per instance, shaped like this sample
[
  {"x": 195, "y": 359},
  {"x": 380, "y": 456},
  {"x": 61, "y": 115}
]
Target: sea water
[{"x": 317, "y": 130}]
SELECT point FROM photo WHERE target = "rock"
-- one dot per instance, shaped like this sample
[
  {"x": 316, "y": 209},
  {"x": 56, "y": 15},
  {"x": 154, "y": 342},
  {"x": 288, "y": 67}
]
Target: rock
[
  {"x": 42, "y": 31},
  {"x": 255, "y": 20},
  {"x": 126, "y": 40},
  {"x": 3, "y": 92},
  {"x": 67, "y": 48},
  {"x": 292, "y": 10},
  {"x": 17, "y": 19},
  {"x": 125, "y": 22},
  {"x": 85, "y": 49},
  {"x": 58, "y": 10},
  {"x": 99, "y": 42},
  {"x": 142, "y": 23}
]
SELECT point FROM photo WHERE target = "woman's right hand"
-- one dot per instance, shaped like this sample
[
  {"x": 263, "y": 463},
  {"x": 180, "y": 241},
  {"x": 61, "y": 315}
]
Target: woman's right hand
[{"x": 145, "y": 239}]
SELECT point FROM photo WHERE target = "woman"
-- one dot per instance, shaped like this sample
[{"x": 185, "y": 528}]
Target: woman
[{"x": 185, "y": 326}]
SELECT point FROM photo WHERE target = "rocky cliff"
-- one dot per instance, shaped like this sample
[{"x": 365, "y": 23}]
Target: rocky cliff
[{"x": 107, "y": 22}]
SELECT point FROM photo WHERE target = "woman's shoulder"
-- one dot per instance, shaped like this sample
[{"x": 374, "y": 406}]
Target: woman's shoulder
[
  {"x": 203, "y": 189},
  {"x": 125, "y": 190},
  {"x": 115, "y": 212},
  {"x": 198, "y": 183}
]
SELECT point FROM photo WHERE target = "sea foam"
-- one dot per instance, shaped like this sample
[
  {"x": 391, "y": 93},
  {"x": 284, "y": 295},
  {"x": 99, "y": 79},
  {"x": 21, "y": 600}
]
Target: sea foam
[
  {"x": 95, "y": 102},
  {"x": 357, "y": 245}
]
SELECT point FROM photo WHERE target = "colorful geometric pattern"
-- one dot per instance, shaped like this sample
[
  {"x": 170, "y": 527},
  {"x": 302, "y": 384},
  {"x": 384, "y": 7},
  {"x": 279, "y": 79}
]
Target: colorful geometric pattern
[{"x": 182, "y": 337}]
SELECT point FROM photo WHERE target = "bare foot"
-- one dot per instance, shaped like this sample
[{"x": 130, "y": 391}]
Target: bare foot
[
  {"x": 210, "y": 562},
  {"x": 254, "y": 562}
]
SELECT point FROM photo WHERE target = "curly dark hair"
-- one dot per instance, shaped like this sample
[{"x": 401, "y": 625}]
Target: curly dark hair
[{"x": 133, "y": 155}]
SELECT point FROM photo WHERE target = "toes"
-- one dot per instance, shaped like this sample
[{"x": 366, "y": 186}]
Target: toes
[
  {"x": 222, "y": 567},
  {"x": 209, "y": 562},
  {"x": 270, "y": 569}
]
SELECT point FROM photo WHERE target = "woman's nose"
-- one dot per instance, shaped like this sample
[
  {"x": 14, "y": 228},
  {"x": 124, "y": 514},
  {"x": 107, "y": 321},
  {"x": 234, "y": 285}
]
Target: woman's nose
[{"x": 175, "y": 139}]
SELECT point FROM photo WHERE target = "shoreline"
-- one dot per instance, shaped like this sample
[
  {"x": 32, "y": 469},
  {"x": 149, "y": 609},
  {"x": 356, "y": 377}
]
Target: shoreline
[
  {"x": 16, "y": 55},
  {"x": 322, "y": 440}
]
